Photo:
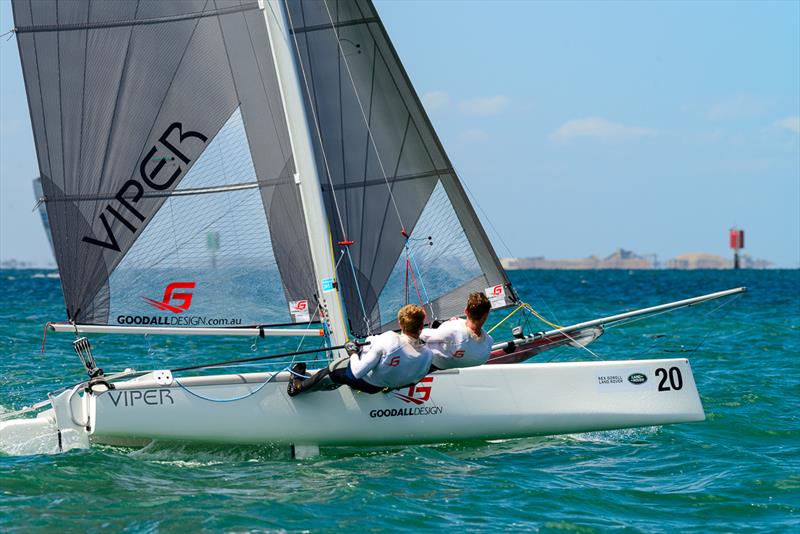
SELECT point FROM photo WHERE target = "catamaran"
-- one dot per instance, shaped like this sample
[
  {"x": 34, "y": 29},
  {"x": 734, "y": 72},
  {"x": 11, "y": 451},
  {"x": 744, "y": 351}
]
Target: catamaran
[{"x": 266, "y": 169}]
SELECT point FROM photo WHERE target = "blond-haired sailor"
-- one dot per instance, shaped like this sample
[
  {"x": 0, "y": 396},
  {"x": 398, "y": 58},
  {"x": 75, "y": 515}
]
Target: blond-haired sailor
[
  {"x": 461, "y": 342},
  {"x": 390, "y": 361}
]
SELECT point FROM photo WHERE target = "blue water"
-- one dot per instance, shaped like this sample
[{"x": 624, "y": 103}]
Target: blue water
[{"x": 738, "y": 470}]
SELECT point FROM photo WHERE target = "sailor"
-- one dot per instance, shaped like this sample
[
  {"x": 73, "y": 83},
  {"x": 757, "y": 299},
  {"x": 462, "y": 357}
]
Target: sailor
[
  {"x": 390, "y": 361},
  {"x": 461, "y": 342}
]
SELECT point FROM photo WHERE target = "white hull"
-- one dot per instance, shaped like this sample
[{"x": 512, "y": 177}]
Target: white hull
[{"x": 498, "y": 401}]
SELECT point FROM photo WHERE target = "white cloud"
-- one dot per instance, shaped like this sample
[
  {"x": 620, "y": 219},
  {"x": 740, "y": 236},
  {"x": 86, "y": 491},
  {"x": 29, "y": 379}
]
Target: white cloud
[
  {"x": 473, "y": 136},
  {"x": 597, "y": 127},
  {"x": 434, "y": 100},
  {"x": 737, "y": 107},
  {"x": 789, "y": 123},
  {"x": 490, "y": 105}
]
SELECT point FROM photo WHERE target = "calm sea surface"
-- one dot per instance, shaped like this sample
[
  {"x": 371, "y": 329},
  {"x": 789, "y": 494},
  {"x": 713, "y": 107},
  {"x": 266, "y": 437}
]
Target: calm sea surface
[{"x": 737, "y": 471}]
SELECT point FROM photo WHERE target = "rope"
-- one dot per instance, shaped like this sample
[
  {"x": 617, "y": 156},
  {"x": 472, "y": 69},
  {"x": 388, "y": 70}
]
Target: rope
[
  {"x": 358, "y": 292},
  {"x": 414, "y": 280},
  {"x": 528, "y": 307},
  {"x": 507, "y": 317},
  {"x": 44, "y": 335},
  {"x": 540, "y": 317},
  {"x": 410, "y": 254},
  {"x": 260, "y": 358},
  {"x": 232, "y": 399}
]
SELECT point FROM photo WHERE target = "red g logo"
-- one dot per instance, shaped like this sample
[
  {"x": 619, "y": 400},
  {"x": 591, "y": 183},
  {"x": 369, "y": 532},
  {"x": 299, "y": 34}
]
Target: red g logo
[
  {"x": 172, "y": 301},
  {"x": 301, "y": 305},
  {"x": 418, "y": 393},
  {"x": 497, "y": 291}
]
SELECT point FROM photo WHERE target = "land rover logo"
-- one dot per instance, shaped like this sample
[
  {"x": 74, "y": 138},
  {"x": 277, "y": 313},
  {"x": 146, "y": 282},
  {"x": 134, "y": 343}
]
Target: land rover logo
[{"x": 637, "y": 378}]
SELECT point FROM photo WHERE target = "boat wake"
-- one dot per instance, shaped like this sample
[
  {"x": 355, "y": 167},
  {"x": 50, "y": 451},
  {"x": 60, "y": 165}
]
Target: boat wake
[
  {"x": 202, "y": 455},
  {"x": 615, "y": 437},
  {"x": 16, "y": 441}
]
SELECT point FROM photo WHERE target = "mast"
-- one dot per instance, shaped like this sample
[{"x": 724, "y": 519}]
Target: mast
[{"x": 306, "y": 176}]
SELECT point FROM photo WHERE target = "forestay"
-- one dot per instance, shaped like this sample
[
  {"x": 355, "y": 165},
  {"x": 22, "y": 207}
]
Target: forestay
[
  {"x": 166, "y": 169},
  {"x": 383, "y": 170}
]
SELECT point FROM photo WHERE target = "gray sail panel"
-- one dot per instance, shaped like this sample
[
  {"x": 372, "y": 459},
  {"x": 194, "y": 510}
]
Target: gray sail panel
[
  {"x": 205, "y": 259},
  {"x": 403, "y": 150},
  {"x": 125, "y": 97},
  {"x": 421, "y": 275}
]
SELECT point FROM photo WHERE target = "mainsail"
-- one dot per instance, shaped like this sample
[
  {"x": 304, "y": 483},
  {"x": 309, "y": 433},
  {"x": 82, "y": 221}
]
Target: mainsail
[
  {"x": 389, "y": 187},
  {"x": 166, "y": 167}
]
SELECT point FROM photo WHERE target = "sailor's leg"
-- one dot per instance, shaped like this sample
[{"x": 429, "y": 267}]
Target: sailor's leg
[
  {"x": 343, "y": 375},
  {"x": 318, "y": 380}
]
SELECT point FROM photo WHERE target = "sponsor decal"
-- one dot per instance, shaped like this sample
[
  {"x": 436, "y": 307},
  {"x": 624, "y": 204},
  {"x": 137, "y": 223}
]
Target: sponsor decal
[
  {"x": 401, "y": 412},
  {"x": 328, "y": 285},
  {"x": 156, "y": 173},
  {"x": 496, "y": 295},
  {"x": 175, "y": 302},
  {"x": 172, "y": 301},
  {"x": 609, "y": 379},
  {"x": 135, "y": 397},
  {"x": 418, "y": 394},
  {"x": 622, "y": 380},
  {"x": 637, "y": 378},
  {"x": 299, "y": 311},
  {"x": 177, "y": 320}
]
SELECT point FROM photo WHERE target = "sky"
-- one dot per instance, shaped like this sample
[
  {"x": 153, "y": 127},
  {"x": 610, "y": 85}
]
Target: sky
[{"x": 579, "y": 127}]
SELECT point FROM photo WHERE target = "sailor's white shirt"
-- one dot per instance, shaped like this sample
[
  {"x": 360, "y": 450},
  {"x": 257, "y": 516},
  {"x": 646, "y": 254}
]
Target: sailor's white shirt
[
  {"x": 455, "y": 345},
  {"x": 392, "y": 360}
]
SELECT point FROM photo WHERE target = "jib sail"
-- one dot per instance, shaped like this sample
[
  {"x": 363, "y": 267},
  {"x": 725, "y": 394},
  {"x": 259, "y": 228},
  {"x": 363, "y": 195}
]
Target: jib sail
[
  {"x": 166, "y": 168},
  {"x": 372, "y": 136}
]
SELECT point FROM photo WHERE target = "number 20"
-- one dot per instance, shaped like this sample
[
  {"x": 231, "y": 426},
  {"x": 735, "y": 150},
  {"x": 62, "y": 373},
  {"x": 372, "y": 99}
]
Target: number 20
[{"x": 674, "y": 376}]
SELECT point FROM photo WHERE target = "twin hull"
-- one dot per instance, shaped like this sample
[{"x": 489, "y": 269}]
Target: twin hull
[{"x": 498, "y": 401}]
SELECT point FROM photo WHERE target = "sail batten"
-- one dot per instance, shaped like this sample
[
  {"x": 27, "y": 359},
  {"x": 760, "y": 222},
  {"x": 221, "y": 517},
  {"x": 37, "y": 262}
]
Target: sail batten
[
  {"x": 163, "y": 194},
  {"x": 133, "y": 22}
]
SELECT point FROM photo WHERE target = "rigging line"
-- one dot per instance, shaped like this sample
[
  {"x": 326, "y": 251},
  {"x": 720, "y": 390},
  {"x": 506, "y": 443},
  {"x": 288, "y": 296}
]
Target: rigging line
[
  {"x": 367, "y": 322},
  {"x": 268, "y": 357},
  {"x": 649, "y": 316},
  {"x": 414, "y": 280},
  {"x": 632, "y": 320},
  {"x": 136, "y": 22},
  {"x": 316, "y": 311},
  {"x": 702, "y": 341},
  {"x": 363, "y": 113},
  {"x": 541, "y": 318},
  {"x": 578, "y": 345},
  {"x": 318, "y": 130},
  {"x": 421, "y": 281},
  {"x": 518, "y": 308},
  {"x": 529, "y": 308}
]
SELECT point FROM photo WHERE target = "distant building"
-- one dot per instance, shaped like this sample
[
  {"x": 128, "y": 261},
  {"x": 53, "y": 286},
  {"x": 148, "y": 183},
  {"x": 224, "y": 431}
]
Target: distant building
[
  {"x": 620, "y": 259},
  {"x": 627, "y": 260},
  {"x": 704, "y": 260}
]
